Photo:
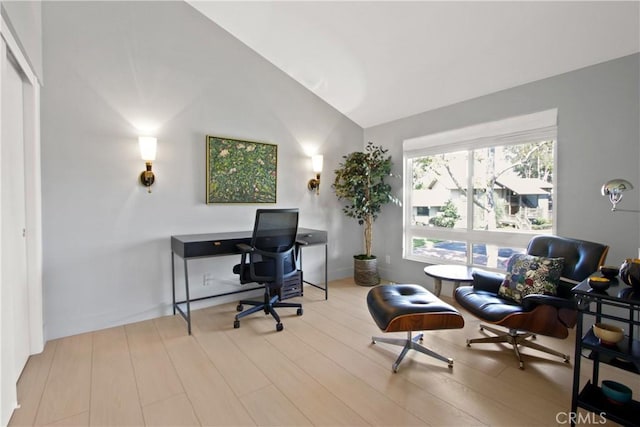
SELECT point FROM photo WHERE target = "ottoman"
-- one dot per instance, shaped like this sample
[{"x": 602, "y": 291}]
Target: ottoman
[{"x": 408, "y": 308}]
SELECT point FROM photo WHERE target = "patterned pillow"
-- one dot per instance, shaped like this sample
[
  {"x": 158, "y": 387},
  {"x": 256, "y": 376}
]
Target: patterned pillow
[{"x": 528, "y": 274}]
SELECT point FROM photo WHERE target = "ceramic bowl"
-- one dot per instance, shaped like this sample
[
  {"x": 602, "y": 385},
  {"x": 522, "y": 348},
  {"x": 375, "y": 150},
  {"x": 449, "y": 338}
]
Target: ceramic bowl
[
  {"x": 630, "y": 273},
  {"x": 609, "y": 271},
  {"x": 599, "y": 283},
  {"x": 608, "y": 334},
  {"x": 616, "y": 392}
]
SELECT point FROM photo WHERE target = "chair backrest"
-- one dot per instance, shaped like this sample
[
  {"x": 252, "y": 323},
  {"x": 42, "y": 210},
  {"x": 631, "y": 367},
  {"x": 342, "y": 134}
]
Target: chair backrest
[
  {"x": 275, "y": 230},
  {"x": 274, "y": 240},
  {"x": 581, "y": 258}
]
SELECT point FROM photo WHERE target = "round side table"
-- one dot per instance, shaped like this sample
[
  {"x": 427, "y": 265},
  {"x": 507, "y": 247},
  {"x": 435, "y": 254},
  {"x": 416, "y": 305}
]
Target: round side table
[{"x": 453, "y": 273}]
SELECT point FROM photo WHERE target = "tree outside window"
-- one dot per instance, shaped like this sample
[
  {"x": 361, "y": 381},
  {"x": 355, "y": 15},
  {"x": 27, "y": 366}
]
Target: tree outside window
[{"x": 510, "y": 189}]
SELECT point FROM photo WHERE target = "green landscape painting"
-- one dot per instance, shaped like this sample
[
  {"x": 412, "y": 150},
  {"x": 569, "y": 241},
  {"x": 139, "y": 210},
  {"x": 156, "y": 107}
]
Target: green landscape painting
[{"x": 241, "y": 171}]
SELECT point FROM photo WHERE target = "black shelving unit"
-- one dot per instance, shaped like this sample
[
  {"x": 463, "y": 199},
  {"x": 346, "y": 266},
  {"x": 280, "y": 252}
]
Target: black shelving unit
[{"x": 616, "y": 301}]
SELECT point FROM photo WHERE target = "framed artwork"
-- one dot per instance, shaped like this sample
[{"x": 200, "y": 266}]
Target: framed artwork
[{"x": 241, "y": 171}]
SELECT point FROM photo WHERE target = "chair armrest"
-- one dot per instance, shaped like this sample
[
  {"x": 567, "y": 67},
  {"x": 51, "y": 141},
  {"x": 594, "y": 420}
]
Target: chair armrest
[
  {"x": 487, "y": 281},
  {"x": 531, "y": 301},
  {"x": 302, "y": 243},
  {"x": 244, "y": 247}
]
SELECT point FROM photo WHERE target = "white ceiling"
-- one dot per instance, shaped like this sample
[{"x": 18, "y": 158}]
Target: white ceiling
[{"x": 380, "y": 61}]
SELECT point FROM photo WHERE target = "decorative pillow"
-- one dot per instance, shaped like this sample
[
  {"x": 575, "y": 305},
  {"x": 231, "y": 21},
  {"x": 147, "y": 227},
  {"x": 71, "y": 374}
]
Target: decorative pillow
[{"x": 528, "y": 274}]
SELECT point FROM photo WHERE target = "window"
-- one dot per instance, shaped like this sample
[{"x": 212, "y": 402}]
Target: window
[{"x": 477, "y": 195}]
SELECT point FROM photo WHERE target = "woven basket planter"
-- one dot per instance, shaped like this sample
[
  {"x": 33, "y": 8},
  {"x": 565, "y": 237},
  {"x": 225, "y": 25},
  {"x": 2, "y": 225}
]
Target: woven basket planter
[{"x": 365, "y": 271}]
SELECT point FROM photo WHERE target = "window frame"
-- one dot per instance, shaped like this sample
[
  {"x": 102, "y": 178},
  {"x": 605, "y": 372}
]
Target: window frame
[{"x": 517, "y": 130}]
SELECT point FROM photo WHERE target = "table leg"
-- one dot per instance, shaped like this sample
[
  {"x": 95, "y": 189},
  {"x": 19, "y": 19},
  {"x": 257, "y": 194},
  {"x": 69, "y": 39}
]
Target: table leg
[
  {"x": 455, "y": 286},
  {"x": 438, "y": 283}
]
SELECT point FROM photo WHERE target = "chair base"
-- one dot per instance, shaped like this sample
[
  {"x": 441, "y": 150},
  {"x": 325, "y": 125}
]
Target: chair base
[
  {"x": 268, "y": 306},
  {"x": 516, "y": 339},
  {"x": 410, "y": 344}
]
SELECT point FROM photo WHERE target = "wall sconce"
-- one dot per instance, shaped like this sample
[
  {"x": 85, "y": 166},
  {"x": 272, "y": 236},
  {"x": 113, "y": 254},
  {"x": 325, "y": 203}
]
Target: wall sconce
[
  {"x": 314, "y": 183},
  {"x": 614, "y": 189},
  {"x": 148, "y": 146}
]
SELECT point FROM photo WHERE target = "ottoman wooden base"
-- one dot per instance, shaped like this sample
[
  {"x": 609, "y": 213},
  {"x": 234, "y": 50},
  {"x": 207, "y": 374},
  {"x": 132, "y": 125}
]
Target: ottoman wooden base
[{"x": 410, "y": 308}]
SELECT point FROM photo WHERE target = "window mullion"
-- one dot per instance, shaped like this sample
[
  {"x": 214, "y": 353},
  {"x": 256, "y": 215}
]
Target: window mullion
[{"x": 470, "y": 197}]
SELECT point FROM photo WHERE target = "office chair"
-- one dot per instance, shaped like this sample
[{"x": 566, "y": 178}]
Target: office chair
[
  {"x": 271, "y": 259},
  {"x": 550, "y": 315}
]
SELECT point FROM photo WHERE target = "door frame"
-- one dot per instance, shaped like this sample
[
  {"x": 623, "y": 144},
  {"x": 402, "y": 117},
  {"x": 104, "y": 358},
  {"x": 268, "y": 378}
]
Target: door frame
[{"x": 33, "y": 192}]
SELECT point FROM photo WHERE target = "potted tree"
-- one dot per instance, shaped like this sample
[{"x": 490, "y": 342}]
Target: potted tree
[{"x": 360, "y": 182}]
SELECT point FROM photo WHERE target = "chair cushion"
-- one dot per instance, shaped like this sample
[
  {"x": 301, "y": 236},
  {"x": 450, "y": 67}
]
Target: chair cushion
[
  {"x": 528, "y": 274},
  {"x": 262, "y": 268},
  {"x": 486, "y": 305},
  {"x": 410, "y": 307}
]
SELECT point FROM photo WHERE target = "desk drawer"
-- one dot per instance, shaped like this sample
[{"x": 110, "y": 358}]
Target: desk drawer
[
  {"x": 291, "y": 291},
  {"x": 212, "y": 248},
  {"x": 292, "y": 287}
]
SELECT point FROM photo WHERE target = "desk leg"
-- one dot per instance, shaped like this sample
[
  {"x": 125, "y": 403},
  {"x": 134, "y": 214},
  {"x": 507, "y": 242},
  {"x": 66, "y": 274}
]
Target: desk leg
[
  {"x": 326, "y": 272},
  {"x": 173, "y": 283},
  {"x": 186, "y": 288},
  {"x": 326, "y": 275},
  {"x": 438, "y": 288},
  {"x": 299, "y": 267}
]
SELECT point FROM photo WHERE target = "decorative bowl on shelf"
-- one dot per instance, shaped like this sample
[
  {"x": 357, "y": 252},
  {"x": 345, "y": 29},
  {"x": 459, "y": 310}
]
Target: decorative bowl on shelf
[
  {"x": 608, "y": 334},
  {"x": 630, "y": 272},
  {"x": 616, "y": 392},
  {"x": 609, "y": 271},
  {"x": 599, "y": 283}
]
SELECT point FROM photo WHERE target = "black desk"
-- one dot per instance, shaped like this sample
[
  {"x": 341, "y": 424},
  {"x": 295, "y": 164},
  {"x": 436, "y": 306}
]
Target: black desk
[{"x": 191, "y": 246}]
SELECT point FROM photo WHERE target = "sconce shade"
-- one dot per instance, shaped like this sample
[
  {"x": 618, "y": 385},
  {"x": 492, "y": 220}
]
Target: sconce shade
[
  {"x": 148, "y": 145},
  {"x": 316, "y": 162},
  {"x": 614, "y": 189},
  {"x": 147, "y": 148}
]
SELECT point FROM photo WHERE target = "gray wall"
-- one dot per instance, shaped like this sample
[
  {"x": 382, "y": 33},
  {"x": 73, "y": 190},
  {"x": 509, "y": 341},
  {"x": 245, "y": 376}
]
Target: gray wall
[
  {"x": 598, "y": 139},
  {"x": 112, "y": 65},
  {"x": 25, "y": 20}
]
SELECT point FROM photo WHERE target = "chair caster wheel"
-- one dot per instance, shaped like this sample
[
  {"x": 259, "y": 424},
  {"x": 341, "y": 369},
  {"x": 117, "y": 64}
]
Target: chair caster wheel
[
  {"x": 481, "y": 328},
  {"x": 566, "y": 360},
  {"x": 450, "y": 363},
  {"x": 468, "y": 343},
  {"x": 299, "y": 312},
  {"x": 394, "y": 368},
  {"x": 239, "y": 307},
  {"x": 236, "y": 324},
  {"x": 533, "y": 337},
  {"x": 279, "y": 327},
  {"x": 522, "y": 366}
]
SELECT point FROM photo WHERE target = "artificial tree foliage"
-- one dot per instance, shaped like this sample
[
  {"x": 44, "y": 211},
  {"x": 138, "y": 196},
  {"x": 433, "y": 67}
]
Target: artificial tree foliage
[{"x": 360, "y": 181}]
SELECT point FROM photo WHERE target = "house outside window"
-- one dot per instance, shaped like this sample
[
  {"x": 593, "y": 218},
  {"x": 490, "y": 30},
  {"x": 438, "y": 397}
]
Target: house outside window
[{"x": 477, "y": 195}]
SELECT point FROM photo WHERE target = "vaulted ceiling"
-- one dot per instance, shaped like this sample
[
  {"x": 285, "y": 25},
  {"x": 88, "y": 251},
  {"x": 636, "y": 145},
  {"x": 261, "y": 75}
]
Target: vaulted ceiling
[{"x": 379, "y": 61}]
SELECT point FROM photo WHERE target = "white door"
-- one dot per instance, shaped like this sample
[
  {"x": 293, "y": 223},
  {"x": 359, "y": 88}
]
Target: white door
[{"x": 14, "y": 295}]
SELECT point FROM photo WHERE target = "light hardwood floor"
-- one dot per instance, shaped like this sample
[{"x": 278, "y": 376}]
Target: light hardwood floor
[{"x": 321, "y": 370}]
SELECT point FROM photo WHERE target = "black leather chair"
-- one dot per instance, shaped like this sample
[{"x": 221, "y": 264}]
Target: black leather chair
[
  {"x": 536, "y": 314},
  {"x": 271, "y": 259}
]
